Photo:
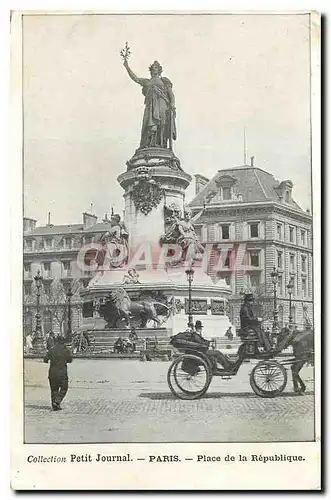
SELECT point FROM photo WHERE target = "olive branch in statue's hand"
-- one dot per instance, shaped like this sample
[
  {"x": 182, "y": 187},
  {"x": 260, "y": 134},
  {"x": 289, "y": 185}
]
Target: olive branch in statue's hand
[{"x": 125, "y": 53}]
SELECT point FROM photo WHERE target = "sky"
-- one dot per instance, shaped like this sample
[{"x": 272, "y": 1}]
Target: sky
[{"x": 82, "y": 113}]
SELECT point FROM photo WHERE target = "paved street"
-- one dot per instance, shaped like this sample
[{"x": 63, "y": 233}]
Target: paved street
[{"x": 129, "y": 401}]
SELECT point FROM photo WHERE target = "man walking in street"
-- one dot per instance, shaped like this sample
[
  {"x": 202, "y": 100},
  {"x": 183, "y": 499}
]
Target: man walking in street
[{"x": 59, "y": 355}]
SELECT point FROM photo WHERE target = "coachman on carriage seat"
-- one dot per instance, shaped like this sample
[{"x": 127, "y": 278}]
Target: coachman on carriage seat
[{"x": 251, "y": 324}]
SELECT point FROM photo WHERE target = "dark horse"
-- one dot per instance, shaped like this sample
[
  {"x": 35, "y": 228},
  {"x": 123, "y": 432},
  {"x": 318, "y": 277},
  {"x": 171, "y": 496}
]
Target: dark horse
[
  {"x": 302, "y": 343},
  {"x": 119, "y": 306}
]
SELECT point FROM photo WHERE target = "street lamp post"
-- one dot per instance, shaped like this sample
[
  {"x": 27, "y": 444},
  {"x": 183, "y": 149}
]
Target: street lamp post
[
  {"x": 190, "y": 274},
  {"x": 290, "y": 287},
  {"x": 38, "y": 330},
  {"x": 69, "y": 328},
  {"x": 275, "y": 277}
]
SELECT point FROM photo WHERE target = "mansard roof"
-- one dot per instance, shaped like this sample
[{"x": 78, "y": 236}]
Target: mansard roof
[
  {"x": 51, "y": 230},
  {"x": 251, "y": 184},
  {"x": 67, "y": 229}
]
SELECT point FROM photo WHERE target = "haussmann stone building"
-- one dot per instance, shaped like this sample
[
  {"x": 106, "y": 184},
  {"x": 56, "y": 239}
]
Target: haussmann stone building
[{"x": 257, "y": 225}]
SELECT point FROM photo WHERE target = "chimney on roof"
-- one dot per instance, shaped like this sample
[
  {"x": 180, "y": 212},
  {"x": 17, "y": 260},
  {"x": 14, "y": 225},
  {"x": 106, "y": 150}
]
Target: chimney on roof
[
  {"x": 28, "y": 224},
  {"x": 252, "y": 161},
  {"x": 49, "y": 219},
  {"x": 105, "y": 219},
  {"x": 89, "y": 220}
]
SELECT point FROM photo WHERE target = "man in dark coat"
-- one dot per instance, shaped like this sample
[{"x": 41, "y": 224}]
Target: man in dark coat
[
  {"x": 249, "y": 321},
  {"x": 59, "y": 355},
  {"x": 229, "y": 333}
]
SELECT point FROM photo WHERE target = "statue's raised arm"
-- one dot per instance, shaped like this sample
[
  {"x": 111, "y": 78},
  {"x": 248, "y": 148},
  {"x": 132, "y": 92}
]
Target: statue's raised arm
[{"x": 131, "y": 74}]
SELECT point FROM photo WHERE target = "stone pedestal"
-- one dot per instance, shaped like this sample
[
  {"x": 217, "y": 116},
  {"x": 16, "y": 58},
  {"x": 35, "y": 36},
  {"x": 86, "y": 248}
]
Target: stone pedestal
[{"x": 154, "y": 179}]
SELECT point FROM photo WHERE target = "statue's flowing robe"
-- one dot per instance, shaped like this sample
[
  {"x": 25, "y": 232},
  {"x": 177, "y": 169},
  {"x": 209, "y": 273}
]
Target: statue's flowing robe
[{"x": 158, "y": 121}]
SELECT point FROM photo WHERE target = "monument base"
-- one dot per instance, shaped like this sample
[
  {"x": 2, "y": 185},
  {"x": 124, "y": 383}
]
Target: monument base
[
  {"x": 154, "y": 157},
  {"x": 208, "y": 304}
]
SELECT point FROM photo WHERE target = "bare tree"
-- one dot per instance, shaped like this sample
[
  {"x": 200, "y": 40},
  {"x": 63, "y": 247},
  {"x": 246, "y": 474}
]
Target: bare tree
[{"x": 56, "y": 300}]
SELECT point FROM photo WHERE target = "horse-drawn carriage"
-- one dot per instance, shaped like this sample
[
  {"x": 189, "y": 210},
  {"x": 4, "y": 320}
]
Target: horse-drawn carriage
[{"x": 191, "y": 372}]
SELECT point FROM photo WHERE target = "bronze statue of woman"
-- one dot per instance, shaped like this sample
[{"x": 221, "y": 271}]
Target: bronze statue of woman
[{"x": 158, "y": 127}]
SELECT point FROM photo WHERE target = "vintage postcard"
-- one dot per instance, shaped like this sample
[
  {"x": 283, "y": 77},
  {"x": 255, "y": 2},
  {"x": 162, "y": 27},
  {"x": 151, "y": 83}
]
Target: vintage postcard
[{"x": 166, "y": 319}]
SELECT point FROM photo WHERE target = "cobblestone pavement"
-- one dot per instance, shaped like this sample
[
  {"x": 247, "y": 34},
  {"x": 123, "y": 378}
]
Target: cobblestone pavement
[{"x": 129, "y": 401}]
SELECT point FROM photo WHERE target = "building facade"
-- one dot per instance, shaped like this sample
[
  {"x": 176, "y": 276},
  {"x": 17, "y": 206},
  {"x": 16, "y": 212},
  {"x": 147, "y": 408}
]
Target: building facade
[
  {"x": 54, "y": 251},
  {"x": 255, "y": 225}
]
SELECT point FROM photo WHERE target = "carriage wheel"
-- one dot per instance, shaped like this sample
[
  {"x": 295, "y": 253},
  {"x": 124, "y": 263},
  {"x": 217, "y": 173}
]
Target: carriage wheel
[
  {"x": 268, "y": 379},
  {"x": 189, "y": 377}
]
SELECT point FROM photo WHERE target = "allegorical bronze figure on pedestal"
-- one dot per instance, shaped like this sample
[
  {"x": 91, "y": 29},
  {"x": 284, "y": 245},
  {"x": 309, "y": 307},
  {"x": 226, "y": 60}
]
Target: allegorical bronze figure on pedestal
[{"x": 158, "y": 127}]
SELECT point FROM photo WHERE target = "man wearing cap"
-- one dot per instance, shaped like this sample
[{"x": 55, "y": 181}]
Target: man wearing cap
[{"x": 249, "y": 321}]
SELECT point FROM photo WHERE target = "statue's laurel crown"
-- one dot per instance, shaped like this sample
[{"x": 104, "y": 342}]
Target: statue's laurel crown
[{"x": 158, "y": 65}]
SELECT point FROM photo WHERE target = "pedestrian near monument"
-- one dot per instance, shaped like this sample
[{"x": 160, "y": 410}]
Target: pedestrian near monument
[
  {"x": 28, "y": 343},
  {"x": 50, "y": 340},
  {"x": 58, "y": 356},
  {"x": 229, "y": 333}
]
